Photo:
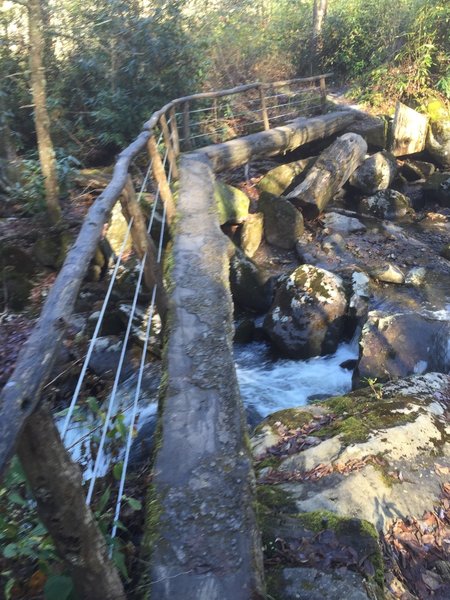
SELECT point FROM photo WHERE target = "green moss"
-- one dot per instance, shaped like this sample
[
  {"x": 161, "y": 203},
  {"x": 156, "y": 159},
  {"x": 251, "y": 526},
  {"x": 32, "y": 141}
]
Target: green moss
[
  {"x": 357, "y": 533},
  {"x": 270, "y": 461},
  {"x": 361, "y": 413},
  {"x": 272, "y": 499},
  {"x": 291, "y": 418}
]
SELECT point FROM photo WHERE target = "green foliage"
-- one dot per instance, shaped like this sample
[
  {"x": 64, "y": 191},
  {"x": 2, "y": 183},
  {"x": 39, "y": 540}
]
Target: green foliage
[{"x": 29, "y": 190}]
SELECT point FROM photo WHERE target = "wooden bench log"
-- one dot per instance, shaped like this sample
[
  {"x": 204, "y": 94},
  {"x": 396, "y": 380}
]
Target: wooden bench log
[
  {"x": 329, "y": 173},
  {"x": 275, "y": 141}
]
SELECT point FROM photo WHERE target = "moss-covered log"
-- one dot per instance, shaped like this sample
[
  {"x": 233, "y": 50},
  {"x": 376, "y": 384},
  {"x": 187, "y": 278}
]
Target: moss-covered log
[{"x": 201, "y": 534}]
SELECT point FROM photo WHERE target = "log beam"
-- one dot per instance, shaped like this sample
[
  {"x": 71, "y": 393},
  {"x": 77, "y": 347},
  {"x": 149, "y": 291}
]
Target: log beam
[
  {"x": 329, "y": 173},
  {"x": 276, "y": 141}
]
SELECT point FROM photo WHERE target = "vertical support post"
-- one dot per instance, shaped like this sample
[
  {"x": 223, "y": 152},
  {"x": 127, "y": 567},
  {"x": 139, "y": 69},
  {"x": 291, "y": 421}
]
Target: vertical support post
[
  {"x": 323, "y": 94},
  {"x": 144, "y": 246},
  {"x": 169, "y": 146},
  {"x": 161, "y": 179},
  {"x": 174, "y": 131},
  {"x": 186, "y": 127},
  {"x": 216, "y": 136},
  {"x": 264, "y": 113},
  {"x": 61, "y": 504}
]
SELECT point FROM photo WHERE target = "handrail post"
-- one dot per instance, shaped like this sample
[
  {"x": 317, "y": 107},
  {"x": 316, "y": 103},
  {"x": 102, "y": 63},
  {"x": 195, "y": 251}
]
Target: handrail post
[
  {"x": 323, "y": 94},
  {"x": 174, "y": 131},
  {"x": 169, "y": 145},
  {"x": 186, "y": 127},
  {"x": 160, "y": 177},
  {"x": 264, "y": 113}
]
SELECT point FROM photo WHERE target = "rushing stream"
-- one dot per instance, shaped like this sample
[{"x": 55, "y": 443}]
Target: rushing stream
[{"x": 269, "y": 384}]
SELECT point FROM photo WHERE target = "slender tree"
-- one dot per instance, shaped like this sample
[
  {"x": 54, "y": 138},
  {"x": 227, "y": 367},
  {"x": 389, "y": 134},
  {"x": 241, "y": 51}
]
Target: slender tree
[
  {"x": 319, "y": 14},
  {"x": 41, "y": 117}
]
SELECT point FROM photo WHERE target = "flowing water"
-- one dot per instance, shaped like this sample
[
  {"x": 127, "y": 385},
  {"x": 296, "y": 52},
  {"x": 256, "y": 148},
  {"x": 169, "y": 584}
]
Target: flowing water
[{"x": 269, "y": 384}]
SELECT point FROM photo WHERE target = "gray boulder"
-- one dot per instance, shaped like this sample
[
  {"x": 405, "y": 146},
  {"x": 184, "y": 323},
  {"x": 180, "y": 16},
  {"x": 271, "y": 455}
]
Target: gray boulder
[
  {"x": 388, "y": 273},
  {"x": 386, "y": 204},
  {"x": 336, "y": 222},
  {"x": 402, "y": 344},
  {"x": 249, "y": 285},
  {"x": 384, "y": 456},
  {"x": 438, "y": 142},
  {"x": 307, "y": 315},
  {"x": 437, "y": 188},
  {"x": 376, "y": 173},
  {"x": 283, "y": 223}
]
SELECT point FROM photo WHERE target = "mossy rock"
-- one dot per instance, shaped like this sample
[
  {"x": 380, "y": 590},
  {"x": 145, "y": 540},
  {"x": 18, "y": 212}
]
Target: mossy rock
[
  {"x": 252, "y": 233},
  {"x": 232, "y": 203},
  {"x": 318, "y": 533},
  {"x": 277, "y": 180},
  {"x": 283, "y": 223},
  {"x": 51, "y": 251}
]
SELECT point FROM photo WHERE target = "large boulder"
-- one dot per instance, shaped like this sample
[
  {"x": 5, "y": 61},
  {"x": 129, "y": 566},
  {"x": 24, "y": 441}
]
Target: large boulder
[
  {"x": 386, "y": 204},
  {"x": 117, "y": 230},
  {"x": 335, "y": 222},
  {"x": 283, "y": 223},
  {"x": 437, "y": 188},
  {"x": 277, "y": 180},
  {"x": 376, "y": 173},
  {"x": 379, "y": 454},
  {"x": 232, "y": 203},
  {"x": 307, "y": 315},
  {"x": 401, "y": 344},
  {"x": 438, "y": 142},
  {"x": 250, "y": 287}
]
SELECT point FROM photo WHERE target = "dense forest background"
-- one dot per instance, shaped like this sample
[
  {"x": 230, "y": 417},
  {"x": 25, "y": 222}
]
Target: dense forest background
[{"x": 110, "y": 63}]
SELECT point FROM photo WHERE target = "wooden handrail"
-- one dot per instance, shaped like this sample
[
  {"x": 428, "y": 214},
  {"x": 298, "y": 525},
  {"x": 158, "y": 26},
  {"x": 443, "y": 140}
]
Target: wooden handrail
[{"x": 153, "y": 121}]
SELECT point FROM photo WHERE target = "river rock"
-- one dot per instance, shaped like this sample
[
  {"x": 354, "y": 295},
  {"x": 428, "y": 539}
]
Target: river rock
[
  {"x": 414, "y": 170},
  {"x": 232, "y": 203},
  {"x": 386, "y": 204},
  {"x": 416, "y": 276},
  {"x": 388, "y": 273},
  {"x": 402, "y": 423},
  {"x": 252, "y": 233},
  {"x": 283, "y": 223},
  {"x": 445, "y": 252},
  {"x": 250, "y": 287},
  {"x": 336, "y": 222},
  {"x": 402, "y": 344},
  {"x": 376, "y": 173},
  {"x": 307, "y": 315},
  {"x": 438, "y": 142},
  {"x": 277, "y": 180}
]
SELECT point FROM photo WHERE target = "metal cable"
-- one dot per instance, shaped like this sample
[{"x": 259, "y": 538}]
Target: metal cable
[
  {"x": 139, "y": 382},
  {"x": 116, "y": 379},
  {"x": 102, "y": 314}
]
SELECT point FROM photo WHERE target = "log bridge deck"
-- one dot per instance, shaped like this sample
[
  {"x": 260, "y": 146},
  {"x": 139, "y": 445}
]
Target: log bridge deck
[{"x": 204, "y": 543}]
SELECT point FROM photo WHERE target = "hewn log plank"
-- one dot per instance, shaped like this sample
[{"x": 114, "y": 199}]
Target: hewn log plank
[
  {"x": 329, "y": 173},
  {"x": 208, "y": 546},
  {"x": 280, "y": 139},
  {"x": 409, "y": 131},
  {"x": 21, "y": 394},
  {"x": 61, "y": 504}
]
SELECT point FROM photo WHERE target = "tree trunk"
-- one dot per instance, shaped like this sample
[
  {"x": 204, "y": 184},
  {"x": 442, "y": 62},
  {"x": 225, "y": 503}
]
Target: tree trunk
[
  {"x": 41, "y": 117},
  {"x": 57, "y": 488},
  {"x": 319, "y": 14},
  {"x": 329, "y": 173}
]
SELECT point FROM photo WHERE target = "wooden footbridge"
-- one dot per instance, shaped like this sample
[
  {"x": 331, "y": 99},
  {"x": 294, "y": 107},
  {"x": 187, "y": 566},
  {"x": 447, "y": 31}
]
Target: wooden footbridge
[{"x": 202, "y": 540}]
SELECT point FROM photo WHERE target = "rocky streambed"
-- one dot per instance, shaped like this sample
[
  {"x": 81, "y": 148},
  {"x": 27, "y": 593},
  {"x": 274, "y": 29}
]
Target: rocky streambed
[{"x": 353, "y": 486}]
